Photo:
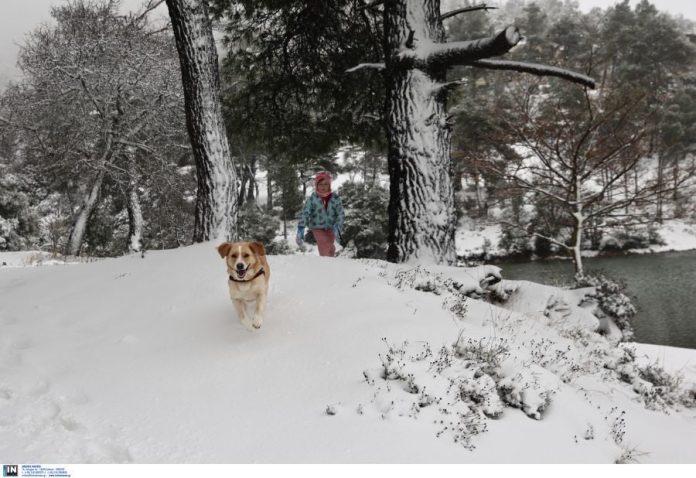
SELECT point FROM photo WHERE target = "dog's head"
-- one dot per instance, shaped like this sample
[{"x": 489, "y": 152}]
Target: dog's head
[{"x": 243, "y": 258}]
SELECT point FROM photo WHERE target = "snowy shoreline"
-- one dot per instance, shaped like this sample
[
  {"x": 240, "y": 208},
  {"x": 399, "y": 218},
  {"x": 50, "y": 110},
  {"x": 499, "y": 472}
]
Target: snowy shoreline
[{"x": 476, "y": 242}]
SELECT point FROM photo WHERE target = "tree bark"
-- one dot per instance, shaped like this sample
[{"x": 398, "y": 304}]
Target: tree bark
[
  {"x": 576, "y": 243},
  {"x": 216, "y": 201},
  {"x": 136, "y": 223},
  {"x": 421, "y": 203},
  {"x": 77, "y": 233}
]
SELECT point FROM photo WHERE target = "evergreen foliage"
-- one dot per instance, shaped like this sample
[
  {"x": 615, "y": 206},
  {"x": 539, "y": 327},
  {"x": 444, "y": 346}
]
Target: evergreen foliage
[{"x": 365, "y": 230}]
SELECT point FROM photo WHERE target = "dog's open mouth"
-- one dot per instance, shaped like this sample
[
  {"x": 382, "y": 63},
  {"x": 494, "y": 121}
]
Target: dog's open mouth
[{"x": 241, "y": 273}]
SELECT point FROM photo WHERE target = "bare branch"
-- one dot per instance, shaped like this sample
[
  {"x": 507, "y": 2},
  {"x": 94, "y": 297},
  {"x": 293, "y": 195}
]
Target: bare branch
[
  {"x": 536, "y": 69},
  {"x": 152, "y": 5},
  {"x": 536, "y": 234},
  {"x": 472, "y": 8}
]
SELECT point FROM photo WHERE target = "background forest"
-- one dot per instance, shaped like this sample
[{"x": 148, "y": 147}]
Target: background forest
[{"x": 95, "y": 159}]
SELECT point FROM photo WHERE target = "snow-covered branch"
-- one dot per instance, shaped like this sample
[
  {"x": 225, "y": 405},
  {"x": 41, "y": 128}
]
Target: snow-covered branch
[
  {"x": 472, "y": 8},
  {"x": 535, "y": 69},
  {"x": 376, "y": 66},
  {"x": 466, "y": 52},
  {"x": 150, "y": 6},
  {"x": 374, "y": 3}
]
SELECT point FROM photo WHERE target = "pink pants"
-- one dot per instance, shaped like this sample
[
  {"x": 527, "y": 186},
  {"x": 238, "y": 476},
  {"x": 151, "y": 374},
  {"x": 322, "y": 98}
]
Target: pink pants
[{"x": 325, "y": 241}]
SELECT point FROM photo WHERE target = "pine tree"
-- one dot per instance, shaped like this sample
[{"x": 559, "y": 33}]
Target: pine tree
[{"x": 216, "y": 200}]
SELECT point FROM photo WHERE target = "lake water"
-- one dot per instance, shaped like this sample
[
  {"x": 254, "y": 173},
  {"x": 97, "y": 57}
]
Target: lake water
[{"x": 662, "y": 286}]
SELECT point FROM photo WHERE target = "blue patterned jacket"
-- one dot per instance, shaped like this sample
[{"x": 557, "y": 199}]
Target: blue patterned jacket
[{"x": 314, "y": 216}]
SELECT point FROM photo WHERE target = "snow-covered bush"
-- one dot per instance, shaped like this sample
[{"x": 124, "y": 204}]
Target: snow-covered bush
[
  {"x": 530, "y": 389},
  {"x": 662, "y": 390},
  {"x": 611, "y": 300},
  {"x": 625, "y": 239},
  {"x": 365, "y": 230},
  {"x": 490, "y": 354},
  {"x": 458, "y": 387},
  {"x": 19, "y": 224},
  {"x": 257, "y": 225}
]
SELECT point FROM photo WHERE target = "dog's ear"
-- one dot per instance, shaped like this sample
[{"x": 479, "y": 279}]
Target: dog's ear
[
  {"x": 224, "y": 249},
  {"x": 258, "y": 248}
]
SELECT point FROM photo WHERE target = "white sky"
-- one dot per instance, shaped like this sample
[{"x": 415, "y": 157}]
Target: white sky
[{"x": 18, "y": 17}]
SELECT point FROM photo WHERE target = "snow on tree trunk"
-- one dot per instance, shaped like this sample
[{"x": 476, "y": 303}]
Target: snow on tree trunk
[
  {"x": 135, "y": 212},
  {"x": 576, "y": 241},
  {"x": 421, "y": 205},
  {"x": 216, "y": 202},
  {"x": 77, "y": 233}
]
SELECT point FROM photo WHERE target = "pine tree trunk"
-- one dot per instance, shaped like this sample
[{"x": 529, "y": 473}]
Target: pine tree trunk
[
  {"x": 216, "y": 201},
  {"x": 421, "y": 204},
  {"x": 660, "y": 188},
  {"x": 242, "y": 189},
  {"x": 77, "y": 233},
  {"x": 253, "y": 187}
]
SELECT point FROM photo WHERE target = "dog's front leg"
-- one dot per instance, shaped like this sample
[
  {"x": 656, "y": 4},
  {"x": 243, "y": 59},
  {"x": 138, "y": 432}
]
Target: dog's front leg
[
  {"x": 260, "y": 311},
  {"x": 239, "y": 305}
]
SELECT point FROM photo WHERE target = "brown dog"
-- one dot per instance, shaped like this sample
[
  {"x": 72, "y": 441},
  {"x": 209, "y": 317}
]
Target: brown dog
[{"x": 248, "y": 278}]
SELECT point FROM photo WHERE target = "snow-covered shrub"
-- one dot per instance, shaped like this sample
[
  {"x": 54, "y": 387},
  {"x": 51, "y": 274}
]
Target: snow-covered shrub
[
  {"x": 625, "y": 239},
  {"x": 489, "y": 353},
  {"x": 365, "y": 230},
  {"x": 515, "y": 243},
  {"x": 257, "y": 225},
  {"x": 530, "y": 389},
  {"x": 611, "y": 300},
  {"x": 19, "y": 224},
  {"x": 666, "y": 388},
  {"x": 657, "y": 388},
  {"x": 457, "y": 387},
  {"x": 452, "y": 392}
]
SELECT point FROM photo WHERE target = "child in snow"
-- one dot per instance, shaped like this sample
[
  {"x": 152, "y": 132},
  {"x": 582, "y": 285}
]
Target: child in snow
[{"x": 323, "y": 214}]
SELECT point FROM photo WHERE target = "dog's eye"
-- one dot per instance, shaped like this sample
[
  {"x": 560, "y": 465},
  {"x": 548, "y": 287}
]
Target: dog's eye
[
  {"x": 234, "y": 256},
  {"x": 246, "y": 255}
]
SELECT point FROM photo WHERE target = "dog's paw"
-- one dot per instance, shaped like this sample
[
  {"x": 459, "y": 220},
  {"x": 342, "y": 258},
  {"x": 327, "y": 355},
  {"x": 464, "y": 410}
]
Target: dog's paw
[
  {"x": 247, "y": 324},
  {"x": 256, "y": 326}
]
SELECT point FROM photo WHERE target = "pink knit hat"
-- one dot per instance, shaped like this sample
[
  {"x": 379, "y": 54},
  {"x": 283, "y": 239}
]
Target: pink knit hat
[{"x": 322, "y": 175}]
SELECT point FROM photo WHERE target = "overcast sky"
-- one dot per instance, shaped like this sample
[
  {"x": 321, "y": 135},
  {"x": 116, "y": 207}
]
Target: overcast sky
[{"x": 18, "y": 17}]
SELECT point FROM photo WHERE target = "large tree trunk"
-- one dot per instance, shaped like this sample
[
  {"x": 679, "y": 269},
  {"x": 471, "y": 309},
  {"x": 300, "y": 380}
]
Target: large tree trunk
[
  {"x": 216, "y": 201},
  {"x": 77, "y": 233},
  {"x": 421, "y": 204}
]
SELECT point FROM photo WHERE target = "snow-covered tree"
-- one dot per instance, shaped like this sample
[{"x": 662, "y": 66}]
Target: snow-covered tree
[
  {"x": 587, "y": 155},
  {"x": 417, "y": 58},
  {"x": 296, "y": 52},
  {"x": 216, "y": 202},
  {"x": 99, "y": 89}
]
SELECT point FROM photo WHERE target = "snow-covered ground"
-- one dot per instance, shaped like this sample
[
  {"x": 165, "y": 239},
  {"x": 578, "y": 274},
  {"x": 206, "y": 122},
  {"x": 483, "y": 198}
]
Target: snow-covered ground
[
  {"x": 677, "y": 235},
  {"x": 141, "y": 360}
]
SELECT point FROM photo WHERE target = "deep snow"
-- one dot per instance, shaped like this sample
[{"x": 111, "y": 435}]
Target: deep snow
[{"x": 142, "y": 360}]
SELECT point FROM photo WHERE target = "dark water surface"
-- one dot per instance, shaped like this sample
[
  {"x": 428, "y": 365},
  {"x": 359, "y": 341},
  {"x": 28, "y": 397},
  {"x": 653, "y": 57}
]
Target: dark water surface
[{"x": 662, "y": 286}]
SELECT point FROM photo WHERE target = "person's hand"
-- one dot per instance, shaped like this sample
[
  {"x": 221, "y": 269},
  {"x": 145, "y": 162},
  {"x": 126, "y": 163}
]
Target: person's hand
[
  {"x": 336, "y": 231},
  {"x": 299, "y": 239}
]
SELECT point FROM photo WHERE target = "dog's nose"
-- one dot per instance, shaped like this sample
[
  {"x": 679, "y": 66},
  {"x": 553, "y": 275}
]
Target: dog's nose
[{"x": 240, "y": 266}]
